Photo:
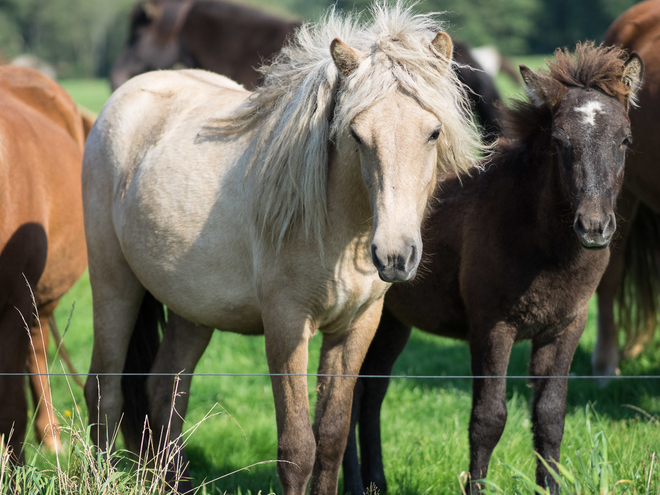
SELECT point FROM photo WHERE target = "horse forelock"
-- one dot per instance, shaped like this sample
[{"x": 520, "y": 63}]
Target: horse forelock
[
  {"x": 589, "y": 66},
  {"x": 303, "y": 105}
]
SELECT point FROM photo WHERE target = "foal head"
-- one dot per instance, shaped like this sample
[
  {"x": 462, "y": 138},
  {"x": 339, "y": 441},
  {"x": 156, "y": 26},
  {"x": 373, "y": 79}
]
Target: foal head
[{"x": 588, "y": 95}]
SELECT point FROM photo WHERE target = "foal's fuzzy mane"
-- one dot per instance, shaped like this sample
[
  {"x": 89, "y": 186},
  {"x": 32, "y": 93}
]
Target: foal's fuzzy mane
[
  {"x": 304, "y": 104},
  {"x": 589, "y": 66}
]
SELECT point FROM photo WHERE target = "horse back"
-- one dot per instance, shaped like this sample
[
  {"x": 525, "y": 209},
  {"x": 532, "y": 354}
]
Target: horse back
[
  {"x": 636, "y": 27},
  {"x": 45, "y": 96}
]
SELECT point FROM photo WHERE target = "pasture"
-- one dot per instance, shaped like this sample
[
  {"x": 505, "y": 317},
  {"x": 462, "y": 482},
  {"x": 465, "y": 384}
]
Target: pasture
[{"x": 424, "y": 421}]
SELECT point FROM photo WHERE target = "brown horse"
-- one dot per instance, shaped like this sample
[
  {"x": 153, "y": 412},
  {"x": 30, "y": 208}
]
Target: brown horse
[
  {"x": 633, "y": 276},
  {"x": 41, "y": 236},
  {"x": 233, "y": 40},
  {"x": 545, "y": 210},
  {"x": 223, "y": 37}
]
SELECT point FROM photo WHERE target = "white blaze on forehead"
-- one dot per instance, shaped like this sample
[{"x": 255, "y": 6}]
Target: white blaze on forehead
[{"x": 589, "y": 110}]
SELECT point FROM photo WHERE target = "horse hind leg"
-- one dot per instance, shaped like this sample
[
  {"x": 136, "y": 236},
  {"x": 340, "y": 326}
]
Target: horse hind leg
[
  {"x": 45, "y": 423},
  {"x": 183, "y": 345},
  {"x": 13, "y": 357},
  {"x": 117, "y": 297},
  {"x": 605, "y": 357}
]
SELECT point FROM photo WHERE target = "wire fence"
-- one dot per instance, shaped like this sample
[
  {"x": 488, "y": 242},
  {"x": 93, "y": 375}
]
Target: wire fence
[{"x": 326, "y": 375}]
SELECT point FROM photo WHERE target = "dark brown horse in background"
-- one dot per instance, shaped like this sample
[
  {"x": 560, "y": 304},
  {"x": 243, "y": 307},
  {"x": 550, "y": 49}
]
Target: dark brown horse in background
[
  {"x": 515, "y": 253},
  {"x": 42, "y": 242},
  {"x": 633, "y": 277},
  {"x": 233, "y": 40}
]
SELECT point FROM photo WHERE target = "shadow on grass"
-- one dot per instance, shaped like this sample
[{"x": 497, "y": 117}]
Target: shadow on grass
[
  {"x": 430, "y": 355},
  {"x": 257, "y": 478}
]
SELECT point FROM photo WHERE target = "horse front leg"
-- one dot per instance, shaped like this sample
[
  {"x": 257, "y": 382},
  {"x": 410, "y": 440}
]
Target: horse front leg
[
  {"x": 183, "y": 345},
  {"x": 388, "y": 343},
  {"x": 490, "y": 352},
  {"x": 342, "y": 353},
  {"x": 287, "y": 330},
  {"x": 552, "y": 358}
]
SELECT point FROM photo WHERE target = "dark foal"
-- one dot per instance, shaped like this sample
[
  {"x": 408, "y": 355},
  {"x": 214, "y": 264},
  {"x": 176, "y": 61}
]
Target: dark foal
[{"x": 515, "y": 253}]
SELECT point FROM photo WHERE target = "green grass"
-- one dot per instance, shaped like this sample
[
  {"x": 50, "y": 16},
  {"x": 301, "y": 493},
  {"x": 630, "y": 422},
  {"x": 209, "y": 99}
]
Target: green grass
[{"x": 424, "y": 421}]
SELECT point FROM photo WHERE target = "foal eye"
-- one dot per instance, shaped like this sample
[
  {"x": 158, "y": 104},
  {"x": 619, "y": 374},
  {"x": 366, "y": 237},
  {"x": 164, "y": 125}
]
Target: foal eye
[
  {"x": 355, "y": 136},
  {"x": 435, "y": 135},
  {"x": 626, "y": 142}
]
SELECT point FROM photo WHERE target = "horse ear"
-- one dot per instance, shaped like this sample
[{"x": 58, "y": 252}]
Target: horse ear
[
  {"x": 542, "y": 90},
  {"x": 633, "y": 72},
  {"x": 442, "y": 43},
  {"x": 346, "y": 58},
  {"x": 151, "y": 10}
]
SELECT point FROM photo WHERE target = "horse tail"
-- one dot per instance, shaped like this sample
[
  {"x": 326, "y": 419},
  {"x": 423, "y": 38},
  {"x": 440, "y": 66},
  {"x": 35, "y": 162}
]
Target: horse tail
[
  {"x": 140, "y": 358},
  {"x": 638, "y": 294}
]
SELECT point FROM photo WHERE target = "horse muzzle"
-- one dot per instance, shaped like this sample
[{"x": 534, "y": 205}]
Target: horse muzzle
[
  {"x": 396, "y": 266},
  {"x": 595, "y": 232}
]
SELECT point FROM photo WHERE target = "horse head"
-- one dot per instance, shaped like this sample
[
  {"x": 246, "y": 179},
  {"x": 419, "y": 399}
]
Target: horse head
[
  {"x": 590, "y": 131},
  {"x": 398, "y": 142},
  {"x": 153, "y": 42}
]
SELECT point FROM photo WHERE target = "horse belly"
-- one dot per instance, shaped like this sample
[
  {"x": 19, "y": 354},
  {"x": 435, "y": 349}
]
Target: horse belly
[{"x": 184, "y": 231}]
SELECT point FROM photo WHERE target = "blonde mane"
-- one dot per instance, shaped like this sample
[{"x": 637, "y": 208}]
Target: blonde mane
[{"x": 303, "y": 105}]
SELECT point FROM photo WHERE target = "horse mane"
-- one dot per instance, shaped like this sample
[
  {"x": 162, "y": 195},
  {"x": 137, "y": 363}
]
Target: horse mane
[
  {"x": 303, "y": 105},
  {"x": 589, "y": 66}
]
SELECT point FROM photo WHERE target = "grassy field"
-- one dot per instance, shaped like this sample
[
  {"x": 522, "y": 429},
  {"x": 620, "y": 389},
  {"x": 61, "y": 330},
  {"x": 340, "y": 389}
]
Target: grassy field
[{"x": 424, "y": 421}]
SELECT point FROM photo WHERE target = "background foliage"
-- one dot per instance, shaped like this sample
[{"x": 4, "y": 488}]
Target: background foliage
[{"x": 81, "y": 38}]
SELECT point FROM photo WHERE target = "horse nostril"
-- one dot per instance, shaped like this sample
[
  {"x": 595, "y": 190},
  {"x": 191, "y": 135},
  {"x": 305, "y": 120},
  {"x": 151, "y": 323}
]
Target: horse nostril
[
  {"x": 374, "y": 257},
  {"x": 412, "y": 259}
]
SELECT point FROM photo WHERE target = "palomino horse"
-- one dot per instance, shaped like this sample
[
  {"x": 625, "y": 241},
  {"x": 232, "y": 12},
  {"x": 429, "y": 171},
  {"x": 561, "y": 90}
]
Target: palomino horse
[
  {"x": 545, "y": 210},
  {"x": 233, "y": 39},
  {"x": 41, "y": 235},
  {"x": 633, "y": 276},
  {"x": 283, "y": 212}
]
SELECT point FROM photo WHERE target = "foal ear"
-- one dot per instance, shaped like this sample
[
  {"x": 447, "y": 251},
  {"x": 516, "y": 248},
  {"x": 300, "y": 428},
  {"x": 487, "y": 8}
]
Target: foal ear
[
  {"x": 633, "y": 72},
  {"x": 346, "y": 58},
  {"x": 443, "y": 45},
  {"x": 542, "y": 90}
]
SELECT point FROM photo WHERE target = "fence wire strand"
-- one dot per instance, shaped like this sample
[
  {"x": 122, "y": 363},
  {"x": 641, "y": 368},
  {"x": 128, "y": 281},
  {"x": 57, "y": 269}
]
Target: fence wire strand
[{"x": 325, "y": 375}]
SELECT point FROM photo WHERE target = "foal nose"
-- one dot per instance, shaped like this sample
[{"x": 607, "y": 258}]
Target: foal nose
[
  {"x": 396, "y": 266},
  {"x": 595, "y": 231}
]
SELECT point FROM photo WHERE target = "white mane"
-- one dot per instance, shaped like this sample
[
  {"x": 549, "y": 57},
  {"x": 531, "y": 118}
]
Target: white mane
[{"x": 302, "y": 106}]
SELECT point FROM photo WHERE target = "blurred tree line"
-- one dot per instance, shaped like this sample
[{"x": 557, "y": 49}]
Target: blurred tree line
[{"x": 81, "y": 38}]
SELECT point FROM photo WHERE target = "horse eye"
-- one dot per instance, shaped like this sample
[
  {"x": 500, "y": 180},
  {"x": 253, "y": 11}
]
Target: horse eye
[
  {"x": 355, "y": 136},
  {"x": 627, "y": 142},
  {"x": 435, "y": 135}
]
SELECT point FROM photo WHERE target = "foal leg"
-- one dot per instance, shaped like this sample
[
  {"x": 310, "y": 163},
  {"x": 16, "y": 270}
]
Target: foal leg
[
  {"x": 490, "y": 353},
  {"x": 45, "y": 423},
  {"x": 183, "y": 344},
  {"x": 552, "y": 358},
  {"x": 342, "y": 353},
  {"x": 605, "y": 358},
  {"x": 388, "y": 343}
]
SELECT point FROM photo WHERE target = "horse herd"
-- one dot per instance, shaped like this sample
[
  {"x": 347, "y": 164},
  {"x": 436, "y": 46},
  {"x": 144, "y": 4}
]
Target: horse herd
[{"x": 354, "y": 164}]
